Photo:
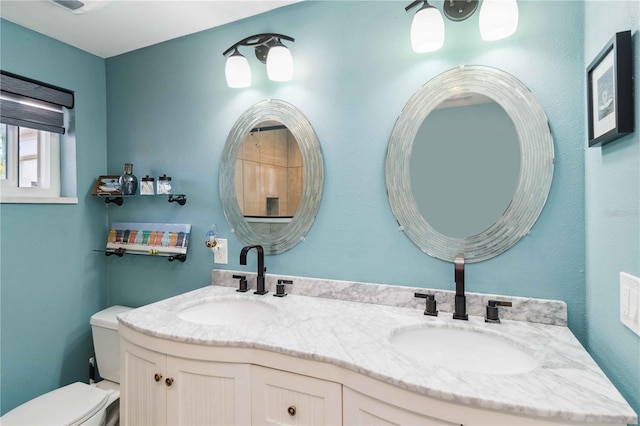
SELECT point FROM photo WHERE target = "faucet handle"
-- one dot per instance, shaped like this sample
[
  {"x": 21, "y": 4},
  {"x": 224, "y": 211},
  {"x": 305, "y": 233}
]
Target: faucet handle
[
  {"x": 243, "y": 287},
  {"x": 492, "y": 310},
  {"x": 430, "y": 308},
  {"x": 280, "y": 288}
]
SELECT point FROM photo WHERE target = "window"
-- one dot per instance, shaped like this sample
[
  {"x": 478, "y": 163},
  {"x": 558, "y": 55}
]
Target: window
[
  {"x": 30, "y": 162},
  {"x": 34, "y": 119}
]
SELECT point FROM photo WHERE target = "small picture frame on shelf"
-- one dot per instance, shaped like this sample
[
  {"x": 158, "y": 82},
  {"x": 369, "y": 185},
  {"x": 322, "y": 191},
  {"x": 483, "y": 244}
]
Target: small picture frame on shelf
[
  {"x": 610, "y": 91},
  {"x": 107, "y": 185}
]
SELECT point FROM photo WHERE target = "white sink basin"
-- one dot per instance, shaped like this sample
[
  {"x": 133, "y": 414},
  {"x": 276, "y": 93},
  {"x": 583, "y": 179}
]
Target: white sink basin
[
  {"x": 463, "y": 349},
  {"x": 227, "y": 311}
]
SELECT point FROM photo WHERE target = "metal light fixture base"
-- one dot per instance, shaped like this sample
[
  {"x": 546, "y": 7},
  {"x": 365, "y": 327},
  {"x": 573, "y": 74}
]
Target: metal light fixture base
[
  {"x": 261, "y": 44},
  {"x": 459, "y": 10}
]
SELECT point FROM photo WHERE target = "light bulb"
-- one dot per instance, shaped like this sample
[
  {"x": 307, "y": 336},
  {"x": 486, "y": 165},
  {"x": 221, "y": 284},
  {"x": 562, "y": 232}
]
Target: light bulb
[
  {"x": 498, "y": 19},
  {"x": 237, "y": 71},
  {"x": 279, "y": 63},
  {"x": 427, "y": 29}
]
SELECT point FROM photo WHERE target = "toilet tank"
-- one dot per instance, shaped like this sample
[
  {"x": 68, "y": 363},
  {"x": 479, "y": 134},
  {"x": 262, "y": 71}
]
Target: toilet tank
[{"x": 106, "y": 342}]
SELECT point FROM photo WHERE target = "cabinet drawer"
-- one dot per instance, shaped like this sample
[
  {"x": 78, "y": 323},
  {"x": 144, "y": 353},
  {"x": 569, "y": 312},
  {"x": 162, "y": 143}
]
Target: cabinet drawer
[
  {"x": 360, "y": 409},
  {"x": 282, "y": 398}
]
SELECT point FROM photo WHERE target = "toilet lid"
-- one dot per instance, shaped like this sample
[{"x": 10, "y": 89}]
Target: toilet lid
[{"x": 68, "y": 405}]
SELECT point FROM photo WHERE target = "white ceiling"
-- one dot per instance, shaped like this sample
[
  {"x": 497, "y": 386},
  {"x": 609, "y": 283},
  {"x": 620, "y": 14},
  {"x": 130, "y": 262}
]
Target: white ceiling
[{"x": 114, "y": 27}]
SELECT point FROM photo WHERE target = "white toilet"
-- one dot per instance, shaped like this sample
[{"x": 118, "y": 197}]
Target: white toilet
[{"x": 80, "y": 403}]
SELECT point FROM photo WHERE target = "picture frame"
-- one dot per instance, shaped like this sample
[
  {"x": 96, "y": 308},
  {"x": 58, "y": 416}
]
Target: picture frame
[
  {"x": 107, "y": 186},
  {"x": 610, "y": 91}
]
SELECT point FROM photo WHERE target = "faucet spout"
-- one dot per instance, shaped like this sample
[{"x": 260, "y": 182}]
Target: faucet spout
[
  {"x": 243, "y": 261},
  {"x": 460, "y": 307}
]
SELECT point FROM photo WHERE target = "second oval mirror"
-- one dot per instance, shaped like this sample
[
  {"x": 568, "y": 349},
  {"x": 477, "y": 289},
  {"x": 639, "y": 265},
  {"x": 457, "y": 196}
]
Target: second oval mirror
[
  {"x": 466, "y": 156},
  {"x": 271, "y": 176},
  {"x": 469, "y": 164}
]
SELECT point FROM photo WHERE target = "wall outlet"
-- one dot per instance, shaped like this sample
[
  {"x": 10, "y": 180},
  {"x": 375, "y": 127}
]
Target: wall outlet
[
  {"x": 630, "y": 301},
  {"x": 220, "y": 252}
]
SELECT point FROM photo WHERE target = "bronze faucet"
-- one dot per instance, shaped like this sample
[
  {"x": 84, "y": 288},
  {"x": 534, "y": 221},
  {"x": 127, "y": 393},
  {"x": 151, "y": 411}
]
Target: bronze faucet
[
  {"x": 260, "y": 279},
  {"x": 460, "y": 307}
]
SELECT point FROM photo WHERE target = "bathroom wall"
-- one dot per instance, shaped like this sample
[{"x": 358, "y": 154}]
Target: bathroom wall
[
  {"x": 51, "y": 280},
  {"x": 612, "y": 180},
  {"x": 170, "y": 111}
]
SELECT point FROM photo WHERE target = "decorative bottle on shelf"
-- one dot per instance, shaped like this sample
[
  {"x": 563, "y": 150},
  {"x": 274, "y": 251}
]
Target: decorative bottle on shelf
[{"x": 128, "y": 182}]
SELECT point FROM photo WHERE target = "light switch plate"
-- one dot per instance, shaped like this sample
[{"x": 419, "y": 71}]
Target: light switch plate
[
  {"x": 630, "y": 301},
  {"x": 220, "y": 252}
]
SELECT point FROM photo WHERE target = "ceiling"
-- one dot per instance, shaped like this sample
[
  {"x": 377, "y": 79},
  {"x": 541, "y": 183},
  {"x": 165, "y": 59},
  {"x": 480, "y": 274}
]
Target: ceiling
[{"x": 111, "y": 27}]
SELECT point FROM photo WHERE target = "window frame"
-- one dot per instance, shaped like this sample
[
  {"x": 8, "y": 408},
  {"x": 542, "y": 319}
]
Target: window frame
[{"x": 48, "y": 154}]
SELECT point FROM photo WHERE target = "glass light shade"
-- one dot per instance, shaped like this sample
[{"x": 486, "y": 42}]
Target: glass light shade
[
  {"x": 237, "y": 71},
  {"x": 279, "y": 63},
  {"x": 498, "y": 19},
  {"x": 427, "y": 30}
]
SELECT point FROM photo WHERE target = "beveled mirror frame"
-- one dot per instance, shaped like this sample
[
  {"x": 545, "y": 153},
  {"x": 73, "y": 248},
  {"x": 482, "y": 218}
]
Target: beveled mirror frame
[
  {"x": 536, "y": 169},
  {"x": 301, "y": 129}
]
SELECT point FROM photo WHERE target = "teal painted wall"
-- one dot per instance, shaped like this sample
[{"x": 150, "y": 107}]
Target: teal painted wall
[
  {"x": 612, "y": 180},
  {"x": 170, "y": 112},
  {"x": 51, "y": 280}
]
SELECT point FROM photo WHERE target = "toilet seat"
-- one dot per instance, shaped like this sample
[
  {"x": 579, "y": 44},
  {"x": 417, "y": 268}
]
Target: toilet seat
[{"x": 70, "y": 405}]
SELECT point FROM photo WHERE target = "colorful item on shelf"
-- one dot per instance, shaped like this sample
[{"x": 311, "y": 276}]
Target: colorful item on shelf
[{"x": 163, "y": 239}]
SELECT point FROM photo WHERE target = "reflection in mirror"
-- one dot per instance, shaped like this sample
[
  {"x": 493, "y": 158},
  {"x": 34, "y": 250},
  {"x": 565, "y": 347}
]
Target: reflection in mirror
[
  {"x": 465, "y": 165},
  {"x": 271, "y": 171},
  {"x": 434, "y": 153},
  {"x": 269, "y": 177}
]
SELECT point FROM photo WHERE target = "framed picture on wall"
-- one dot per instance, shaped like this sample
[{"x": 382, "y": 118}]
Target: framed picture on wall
[
  {"x": 107, "y": 185},
  {"x": 610, "y": 91}
]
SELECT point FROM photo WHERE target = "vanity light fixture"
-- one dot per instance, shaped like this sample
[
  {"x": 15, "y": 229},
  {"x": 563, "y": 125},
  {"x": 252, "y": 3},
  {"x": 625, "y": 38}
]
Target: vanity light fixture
[
  {"x": 269, "y": 49},
  {"x": 427, "y": 28},
  {"x": 237, "y": 70},
  {"x": 498, "y": 19}
]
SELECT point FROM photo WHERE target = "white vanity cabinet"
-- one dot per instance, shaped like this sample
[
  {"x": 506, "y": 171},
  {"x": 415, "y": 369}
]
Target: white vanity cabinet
[
  {"x": 360, "y": 409},
  {"x": 143, "y": 394},
  {"x": 283, "y": 398},
  {"x": 312, "y": 363},
  {"x": 159, "y": 389}
]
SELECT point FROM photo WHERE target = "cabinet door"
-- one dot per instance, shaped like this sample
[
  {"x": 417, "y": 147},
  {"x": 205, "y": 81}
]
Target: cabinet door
[
  {"x": 282, "y": 398},
  {"x": 142, "y": 386},
  {"x": 208, "y": 393},
  {"x": 360, "y": 409}
]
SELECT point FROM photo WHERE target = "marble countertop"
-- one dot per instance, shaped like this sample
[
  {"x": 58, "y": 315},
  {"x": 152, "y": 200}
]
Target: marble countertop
[{"x": 567, "y": 386}]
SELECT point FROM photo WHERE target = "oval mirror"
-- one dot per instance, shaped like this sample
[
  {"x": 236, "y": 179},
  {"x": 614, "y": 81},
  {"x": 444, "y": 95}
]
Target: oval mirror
[
  {"x": 271, "y": 176},
  {"x": 469, "y": 164}
]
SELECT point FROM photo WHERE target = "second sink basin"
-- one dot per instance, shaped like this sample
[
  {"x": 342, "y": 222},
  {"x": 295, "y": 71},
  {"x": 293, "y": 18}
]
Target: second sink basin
[
  {"x": 227, "y": 311},
  {"x": 463, "y": 349}
]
